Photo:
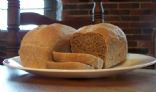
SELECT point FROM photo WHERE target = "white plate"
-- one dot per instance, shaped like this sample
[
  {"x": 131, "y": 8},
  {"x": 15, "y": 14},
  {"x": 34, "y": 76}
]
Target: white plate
[{"x": 134, "y": 61}]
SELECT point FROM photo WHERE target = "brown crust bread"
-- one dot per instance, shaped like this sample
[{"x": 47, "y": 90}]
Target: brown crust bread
[
  {"x": 93, "y": 47},
  {"x": 37, "y": 45},
  {"x": 88, "y": 59},
  {"x": 104, "y": 40}
]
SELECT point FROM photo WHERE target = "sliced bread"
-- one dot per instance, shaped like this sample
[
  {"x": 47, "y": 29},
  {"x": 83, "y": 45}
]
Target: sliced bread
[{"x": 103, "y": 40}]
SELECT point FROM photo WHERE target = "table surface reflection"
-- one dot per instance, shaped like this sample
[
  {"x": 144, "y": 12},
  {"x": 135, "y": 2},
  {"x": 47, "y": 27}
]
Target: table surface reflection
[{"x": 140, "y": 80}]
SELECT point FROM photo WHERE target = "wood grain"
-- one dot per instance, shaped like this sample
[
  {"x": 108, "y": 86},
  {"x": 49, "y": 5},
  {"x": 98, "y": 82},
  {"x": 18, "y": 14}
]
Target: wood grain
[{"x": 141, "y": 80}]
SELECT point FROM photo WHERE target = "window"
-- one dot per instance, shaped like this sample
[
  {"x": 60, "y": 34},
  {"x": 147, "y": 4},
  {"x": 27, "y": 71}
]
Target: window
[
  {"x": 3, "y": 14},
  {"x": 37, "y": 6},
  {"x": 49, "y": 8}
]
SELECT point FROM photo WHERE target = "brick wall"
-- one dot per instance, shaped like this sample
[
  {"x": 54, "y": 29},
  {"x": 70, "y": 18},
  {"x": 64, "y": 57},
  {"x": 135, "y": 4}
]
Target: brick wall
[{"x": 137, "y": 18}]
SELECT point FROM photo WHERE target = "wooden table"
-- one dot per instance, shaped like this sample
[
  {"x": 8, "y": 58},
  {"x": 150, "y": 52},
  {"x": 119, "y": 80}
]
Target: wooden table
[{"x": 140, "y": 80}]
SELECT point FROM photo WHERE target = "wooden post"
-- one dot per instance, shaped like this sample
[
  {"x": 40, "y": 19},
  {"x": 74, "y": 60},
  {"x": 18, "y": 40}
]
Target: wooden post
[{"x": 13, "y": 27}]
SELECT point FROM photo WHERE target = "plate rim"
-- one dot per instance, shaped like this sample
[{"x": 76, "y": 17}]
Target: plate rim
[{"x": 6, "y": 61}]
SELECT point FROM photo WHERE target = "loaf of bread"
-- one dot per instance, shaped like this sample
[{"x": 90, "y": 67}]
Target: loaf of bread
[
  {"x": 37, "y": 45},
  {"x": 58, "y": 46},
  {"x": 103, "y": 40},
  {"x": 88, "y": 59}
]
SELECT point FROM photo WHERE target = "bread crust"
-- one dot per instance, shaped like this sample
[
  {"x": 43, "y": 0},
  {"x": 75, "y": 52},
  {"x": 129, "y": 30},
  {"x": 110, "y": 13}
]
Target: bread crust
[
  {"x": 88, "y": 59},
  {"x": 37, "y": 45},
  {"x": 68, "y": 65}
]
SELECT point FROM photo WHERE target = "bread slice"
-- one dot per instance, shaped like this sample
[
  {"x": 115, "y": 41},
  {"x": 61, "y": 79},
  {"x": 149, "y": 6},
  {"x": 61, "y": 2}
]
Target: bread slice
[
  {"x": 37, "y": 45},
  {"x": 68, "y": 65},
  {"x": 88, "y": 59},
  {"x": 103, "y": 40}
]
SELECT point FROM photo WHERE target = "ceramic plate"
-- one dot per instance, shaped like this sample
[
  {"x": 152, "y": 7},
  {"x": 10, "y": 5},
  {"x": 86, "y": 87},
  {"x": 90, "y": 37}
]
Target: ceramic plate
[{"x": 134, "y": 61}]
